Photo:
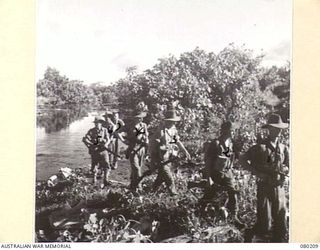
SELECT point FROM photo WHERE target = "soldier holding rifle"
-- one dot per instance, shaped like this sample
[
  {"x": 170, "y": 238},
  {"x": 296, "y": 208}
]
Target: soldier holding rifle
[
  {"x": 109, "y": 125},
  {"x": 219, "y": 160},
  {"x": 97, "y": 140},
  {"x": 117, "y": 134},
  {"x": 164, "y": 146},
  {"x": 137, "y": 140},
  {"x": 269, "y": 161}
]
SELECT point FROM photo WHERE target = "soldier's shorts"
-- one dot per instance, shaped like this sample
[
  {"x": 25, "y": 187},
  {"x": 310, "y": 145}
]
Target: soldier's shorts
[
  {"x": 164, "y": 175},
  {"x": 136, "y": 161},
  {"x": 100, "y": 159},
  {"x": 224, "y": 179}
]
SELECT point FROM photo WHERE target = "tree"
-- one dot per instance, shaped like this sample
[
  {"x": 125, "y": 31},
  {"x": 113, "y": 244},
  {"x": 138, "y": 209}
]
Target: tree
[
  {"x": 275, "y": 82},
  {"x": 209, "y": 88},
  {"x": 55, "y": 90}
]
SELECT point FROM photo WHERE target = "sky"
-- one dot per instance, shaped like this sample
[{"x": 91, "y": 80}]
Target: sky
[{"x": 96, "y": 40}]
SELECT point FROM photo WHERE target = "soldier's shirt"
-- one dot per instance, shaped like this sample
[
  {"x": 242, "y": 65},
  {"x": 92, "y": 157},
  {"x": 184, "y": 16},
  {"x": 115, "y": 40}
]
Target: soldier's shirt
[
  {"x": 219, "y": 156},
  {"x": 94, "y": 135},
  {"x": 164, "y": 137},
  {"x": 118, "y": 125},
  {"x": 109, "y": 127},
  {"x": 138, "y": 135},
  {"x": 117, "y": 128},
  {"x": 265, "y": 157}
]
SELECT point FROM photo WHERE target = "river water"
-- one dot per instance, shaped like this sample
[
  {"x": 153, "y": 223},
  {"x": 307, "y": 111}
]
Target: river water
[{"x": 59, "y": 142}]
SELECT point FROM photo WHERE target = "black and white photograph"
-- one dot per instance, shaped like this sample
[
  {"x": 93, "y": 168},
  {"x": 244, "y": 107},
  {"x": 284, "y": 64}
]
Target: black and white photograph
[{"x": 163, "y": 121}]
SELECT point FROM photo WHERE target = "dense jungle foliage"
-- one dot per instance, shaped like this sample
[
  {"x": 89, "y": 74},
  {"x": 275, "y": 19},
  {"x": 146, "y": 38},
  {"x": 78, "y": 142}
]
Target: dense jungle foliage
[{"x": 207, "y": 88}]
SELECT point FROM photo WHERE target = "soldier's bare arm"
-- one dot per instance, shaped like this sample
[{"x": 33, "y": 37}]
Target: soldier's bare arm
[
  {"x": 183, "y": 148},
  {"x": 107, "y": 139},
  {"x": 87, "y": 139}
]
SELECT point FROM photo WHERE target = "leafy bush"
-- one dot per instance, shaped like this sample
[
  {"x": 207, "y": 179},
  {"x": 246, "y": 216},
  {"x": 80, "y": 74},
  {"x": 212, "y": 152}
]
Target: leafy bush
[
  {"x": 116, "y": 215},
  {"x": 209, "y": 89}
]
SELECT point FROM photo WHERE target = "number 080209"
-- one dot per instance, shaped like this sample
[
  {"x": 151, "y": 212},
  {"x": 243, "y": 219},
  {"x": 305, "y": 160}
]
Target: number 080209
[{"x": 309, "y": 245}]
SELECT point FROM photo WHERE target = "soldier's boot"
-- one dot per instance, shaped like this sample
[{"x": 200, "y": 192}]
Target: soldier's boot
[
  {"x": 236, "y": 221},
  {"x": 248, "y": 235},
  {"x": 172, "y": 190},
  {"x": 115, "y": 164},
  {"x": 157, "y": 183},
  {"x": 93, "y": 167},
  {"x": 134, "y": 191},
  {"x": 134, "y": 187}
]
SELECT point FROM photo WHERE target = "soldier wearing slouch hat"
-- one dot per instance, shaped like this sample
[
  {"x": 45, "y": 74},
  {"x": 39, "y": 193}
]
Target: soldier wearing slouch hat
[
  {"x": 97, "y": 140},
  {"x": 269, "y": 161},
  {"x": 137, "y": 140},
  {"x": 219, "y": 160},
  {"x": 164, "y": 146}
]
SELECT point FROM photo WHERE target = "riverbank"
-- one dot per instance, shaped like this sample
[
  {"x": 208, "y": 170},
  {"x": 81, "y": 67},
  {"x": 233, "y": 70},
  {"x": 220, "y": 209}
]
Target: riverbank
[
  {"x": 59, "y": 140},
  {"x": 81, "y": 211}
]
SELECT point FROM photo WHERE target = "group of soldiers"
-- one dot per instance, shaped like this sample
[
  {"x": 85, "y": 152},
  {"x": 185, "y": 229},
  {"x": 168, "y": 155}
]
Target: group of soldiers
[
  {"x": 268, "y": 160},
  {"x": 103, "y": 145},
  {"x": 102, "y": 142}
]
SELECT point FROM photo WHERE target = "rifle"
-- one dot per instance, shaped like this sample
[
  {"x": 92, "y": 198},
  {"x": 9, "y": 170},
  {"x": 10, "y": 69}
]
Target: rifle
[
  {"x": 110, "y": 151},
  {"x": 91, "y": 145},
  {"x": 162, "y": 163},
  {"x": 277, "y": 160},
  {"x": 204, "y": 185}
]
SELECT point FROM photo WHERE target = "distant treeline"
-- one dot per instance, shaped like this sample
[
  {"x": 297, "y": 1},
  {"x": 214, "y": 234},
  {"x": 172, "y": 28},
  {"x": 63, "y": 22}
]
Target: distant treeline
[{"x": 57, "y": 90}]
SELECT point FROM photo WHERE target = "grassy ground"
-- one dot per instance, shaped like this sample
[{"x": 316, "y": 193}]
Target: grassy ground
[{"x": 81, "y": 211}]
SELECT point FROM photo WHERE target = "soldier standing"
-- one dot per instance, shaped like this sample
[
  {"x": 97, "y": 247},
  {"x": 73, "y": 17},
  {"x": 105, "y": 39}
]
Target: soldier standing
[
  {"x": 117, "y": 130},
  {"x": 269, "y": 161},
  {"x": 137, "y": 142},
  {"x": 164, "y": 146},
  {"x": 219, "y": 159},
  {"x": 109, "y": 125},
  {"x": 96, "y": 140}
]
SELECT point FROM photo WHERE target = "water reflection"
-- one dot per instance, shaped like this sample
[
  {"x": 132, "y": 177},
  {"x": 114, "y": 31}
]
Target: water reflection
[
  {"x": 59, "y": 141},
  {"x": 59, "y": 119}
]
